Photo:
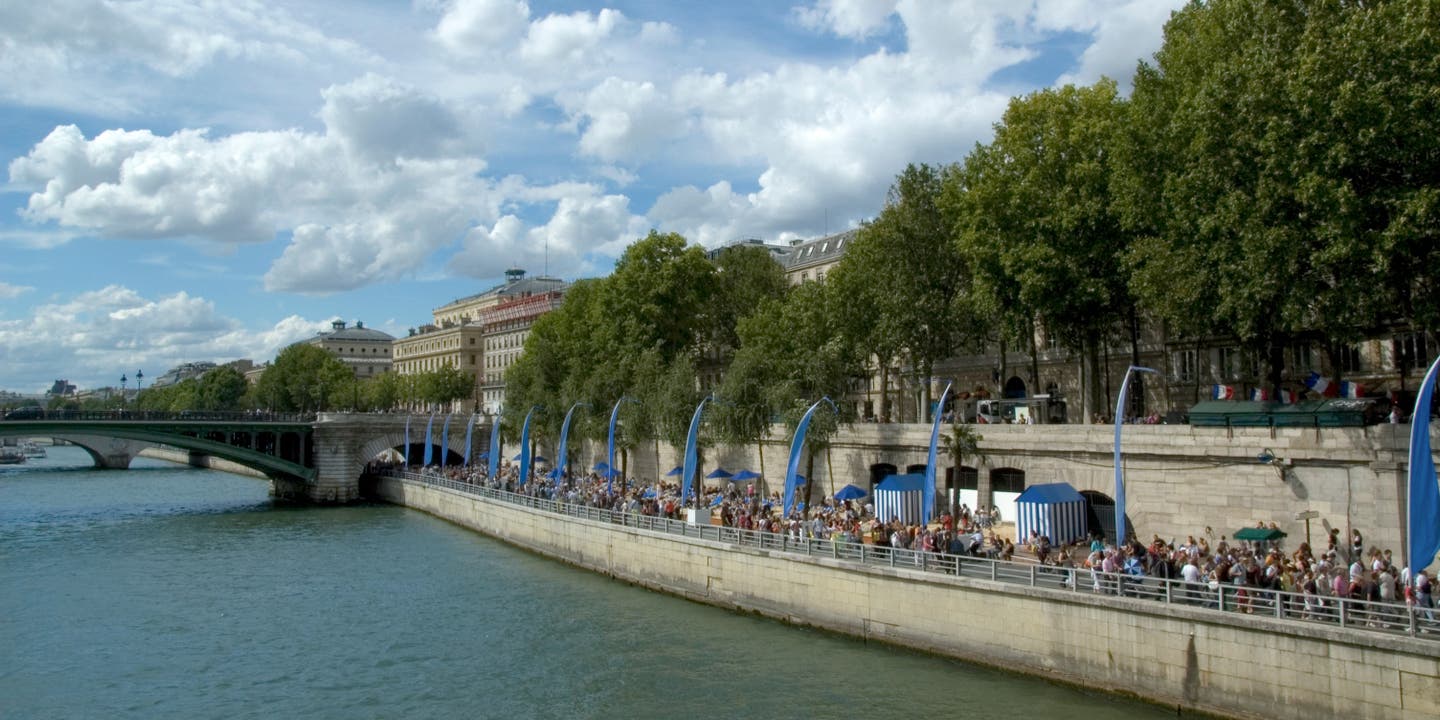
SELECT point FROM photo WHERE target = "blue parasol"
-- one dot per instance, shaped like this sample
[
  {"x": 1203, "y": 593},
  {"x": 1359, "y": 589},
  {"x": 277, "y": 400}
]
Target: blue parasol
[
  {"x": 677, "y": 470},
  {"x": 745, "y": 475},
  {"x": 850, "y": 492},
  {"x": 719, "y": 473}
]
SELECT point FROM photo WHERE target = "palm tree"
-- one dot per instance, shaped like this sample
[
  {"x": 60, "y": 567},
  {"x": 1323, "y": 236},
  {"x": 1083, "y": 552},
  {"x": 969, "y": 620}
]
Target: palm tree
[{"x": 962, "y": 440}]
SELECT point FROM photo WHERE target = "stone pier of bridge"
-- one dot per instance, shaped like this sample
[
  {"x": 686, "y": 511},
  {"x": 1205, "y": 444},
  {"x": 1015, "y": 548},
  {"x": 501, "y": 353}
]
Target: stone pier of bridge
[{"x": 343, "y": 444}]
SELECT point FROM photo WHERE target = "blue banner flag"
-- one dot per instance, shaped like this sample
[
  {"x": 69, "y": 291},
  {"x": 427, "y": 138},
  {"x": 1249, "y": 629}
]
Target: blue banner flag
[
  {"x": 430, "y": 440},
  {"x": 445, "y": 441},
  {"x": 525, "y": 449},
  {"x": 407, "y": 442},
  {"x": 610, "y": 469},
  {"x": 469, "y": 429},
  {"x": 791, "y": 469},
  {"x": 691, "y": 451},
  {"x": 1422, "y": 524},
  {"x": 928, "y": 509},
  {"x": 563, "y": 460},
  {"x": 494, "y": 448},
  {"x": 1119, "y": 468}
]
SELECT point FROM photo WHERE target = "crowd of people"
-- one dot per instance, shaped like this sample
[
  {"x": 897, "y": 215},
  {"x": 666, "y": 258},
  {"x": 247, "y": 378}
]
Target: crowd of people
[{"x": 1245, "y": 577}]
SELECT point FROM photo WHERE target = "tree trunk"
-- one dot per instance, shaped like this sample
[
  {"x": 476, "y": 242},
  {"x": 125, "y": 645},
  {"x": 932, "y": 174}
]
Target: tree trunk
[
  {"x": 884, "y": 392},
  {"x": 624, "y": 468},
  {"x": 809, "y": 477},
  {"x": 760, "y": 453}
]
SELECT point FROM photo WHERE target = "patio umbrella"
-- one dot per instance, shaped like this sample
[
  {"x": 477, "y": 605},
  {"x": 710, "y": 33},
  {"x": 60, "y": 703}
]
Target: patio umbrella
[
  {"x": 850, "y": 492},
  {"x": 601, "y": 466},
  {"x": 744, "y": 475},
  {"x": 677, "y": 470},
  {"x": 718, "y": 473}
]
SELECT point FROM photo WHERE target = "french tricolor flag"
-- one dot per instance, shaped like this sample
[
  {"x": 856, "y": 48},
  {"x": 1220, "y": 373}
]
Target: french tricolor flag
[
  {"x": 1351, "y": 390},
  {"x": 1222, "y": 392},
  {"x": 1260, "y": 395},
  {"x": 1287, "y": 397},
  {"x": 1321, "y": 385}
]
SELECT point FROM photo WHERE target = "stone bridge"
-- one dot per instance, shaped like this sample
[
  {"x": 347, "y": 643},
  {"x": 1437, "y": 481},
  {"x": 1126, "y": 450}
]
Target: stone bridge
[{"x": 319, "y": 458}]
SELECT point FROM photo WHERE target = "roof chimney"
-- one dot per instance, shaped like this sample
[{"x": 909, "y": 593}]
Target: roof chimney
[{"x": 337, "y": 325}]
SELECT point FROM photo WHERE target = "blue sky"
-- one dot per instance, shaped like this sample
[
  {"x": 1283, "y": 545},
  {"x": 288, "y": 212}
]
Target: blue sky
[{"x": 216, "y": 179}]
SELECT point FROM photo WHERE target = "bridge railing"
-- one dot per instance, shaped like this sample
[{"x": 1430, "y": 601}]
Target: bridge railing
[
  {"x": 34, "y": 413},
  {"x": 1223, "y": 600}
]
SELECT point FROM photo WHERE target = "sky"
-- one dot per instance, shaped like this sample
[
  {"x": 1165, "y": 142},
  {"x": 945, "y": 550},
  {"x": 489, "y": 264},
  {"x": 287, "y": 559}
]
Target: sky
[{"x": 208, "y": 180}]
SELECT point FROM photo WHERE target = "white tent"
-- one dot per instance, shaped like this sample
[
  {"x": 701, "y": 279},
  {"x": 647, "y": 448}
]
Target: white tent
[
  {"x": 900, "y": 496},
  {"x": 1055, "y": 510}
]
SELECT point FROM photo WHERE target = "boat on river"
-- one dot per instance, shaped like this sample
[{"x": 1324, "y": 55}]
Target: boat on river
[
  {"x": 32, "y": 450},
  {"x": 11, "y": 456}
]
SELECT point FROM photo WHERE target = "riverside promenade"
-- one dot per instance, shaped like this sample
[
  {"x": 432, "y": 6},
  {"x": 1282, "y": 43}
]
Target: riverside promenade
[{"x": 1152, "y": 642}]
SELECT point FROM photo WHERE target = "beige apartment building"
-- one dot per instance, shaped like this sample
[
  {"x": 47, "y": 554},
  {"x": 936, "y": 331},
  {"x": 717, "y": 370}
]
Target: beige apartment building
[
  {"x": 457, "y": 337},
  {"x": 505, "y": 328}
]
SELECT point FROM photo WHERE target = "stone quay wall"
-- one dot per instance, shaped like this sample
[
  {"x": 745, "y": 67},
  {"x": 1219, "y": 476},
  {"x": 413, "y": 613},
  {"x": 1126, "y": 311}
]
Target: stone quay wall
[{"x": 1234, "y": 666}]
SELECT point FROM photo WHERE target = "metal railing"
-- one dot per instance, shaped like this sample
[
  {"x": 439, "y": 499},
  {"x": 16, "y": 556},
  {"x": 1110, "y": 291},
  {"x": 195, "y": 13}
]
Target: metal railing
[
  {"x": 38, "y": 414},
  {"x": 1347, "y": 613}
]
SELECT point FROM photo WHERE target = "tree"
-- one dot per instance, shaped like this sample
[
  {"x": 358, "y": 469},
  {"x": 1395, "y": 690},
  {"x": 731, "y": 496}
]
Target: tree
[
  {"x": 221, "y": 389},
  {"x": 1279, "y": 169},
  {"x": 1036, "y": 222},
  {"x": 303, "y": 378},
  {"x": 962, "y": 440},
  {"x": 901, "y": 276}
]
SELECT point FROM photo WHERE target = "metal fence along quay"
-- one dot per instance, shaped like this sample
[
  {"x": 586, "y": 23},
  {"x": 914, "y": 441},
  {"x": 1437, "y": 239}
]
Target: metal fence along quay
[{"x": 1224, "y": 601}]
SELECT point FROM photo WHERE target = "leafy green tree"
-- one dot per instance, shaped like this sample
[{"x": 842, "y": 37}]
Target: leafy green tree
[
  {"x": 1279, "y": 168},
  {"x": 221, "y": 389},
  {"x": 962, "y": 440},
  {"x": 303, "y": 378},
  {"x": 1036, "y": 224}
]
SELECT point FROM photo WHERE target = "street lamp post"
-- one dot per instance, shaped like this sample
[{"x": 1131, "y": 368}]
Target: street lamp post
[{"x": 124, "y": 379}]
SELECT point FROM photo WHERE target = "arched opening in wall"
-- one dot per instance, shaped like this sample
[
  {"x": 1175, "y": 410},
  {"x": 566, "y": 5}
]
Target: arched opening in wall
[
  {"x": 1014, "y": 388},
  {"x": 962, "y": 488},
  {"x": 916, "y": 469},
  {"x": 1006, "y": 484},
  {"x": 1100, "y": 514},
  {"x": 878, "y": 472}
]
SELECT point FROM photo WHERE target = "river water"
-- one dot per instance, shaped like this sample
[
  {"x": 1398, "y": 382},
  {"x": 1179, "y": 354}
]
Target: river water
[{"x": 173, "y": 592}]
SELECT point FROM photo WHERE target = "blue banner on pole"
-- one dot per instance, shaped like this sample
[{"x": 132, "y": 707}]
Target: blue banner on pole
[
  {"x": 1423, "y": 496},
  {"x": 691, "y": 450},
  {"x": 562, "y": 459},
  {"x": 928, "y": 508},
  {"x": 407, "y": 441},
  {"x": 430, "y": 440},
  {"x": 469, "y": 429},
  {"x": 793, "y": 467},
  {"x": 525, "y": 449},
  {"x": 494, "y": 450},
  {"x": 610, "y": 469},
  {"x": 1119, "y": 467},
  {"x": 445, "y": 441}
]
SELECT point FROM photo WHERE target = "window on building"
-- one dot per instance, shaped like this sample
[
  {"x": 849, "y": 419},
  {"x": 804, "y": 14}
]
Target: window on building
[
  {"x": 1349, "y": 360},
  {"x": 1226, "y": 363},
  {"x": 1300, "y": 358},
  {"x": 804, "y": 277},
  {"x": 1185, "y": 362},
  {"x": 1412, "y": 351},
  {"x": 819, "y": 276}
]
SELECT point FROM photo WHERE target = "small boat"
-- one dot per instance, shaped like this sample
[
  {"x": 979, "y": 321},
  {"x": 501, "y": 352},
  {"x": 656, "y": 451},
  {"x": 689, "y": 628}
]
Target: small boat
[
  {"x": 32, "y": 450},
  {"x": 11, "y": 456}
]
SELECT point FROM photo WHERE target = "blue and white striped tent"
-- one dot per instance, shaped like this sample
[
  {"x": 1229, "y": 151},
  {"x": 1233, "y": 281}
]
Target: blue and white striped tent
[
  {"x": 1056, "y": 511},
  {"x": 900, "y": 496}
]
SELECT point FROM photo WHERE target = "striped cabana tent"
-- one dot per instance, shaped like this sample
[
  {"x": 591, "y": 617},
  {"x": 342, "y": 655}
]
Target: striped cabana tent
[
  {"x": 900, "y": 496},
  {"x": 1055, "y": 510}
]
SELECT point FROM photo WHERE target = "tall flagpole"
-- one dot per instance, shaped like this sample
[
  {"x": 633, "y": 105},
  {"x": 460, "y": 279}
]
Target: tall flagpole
[
  {"x": 1119, "y": 468},
  {"x": 928, "y": 509}
]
